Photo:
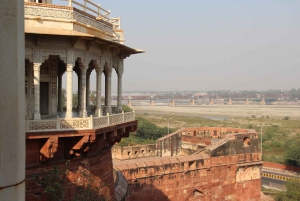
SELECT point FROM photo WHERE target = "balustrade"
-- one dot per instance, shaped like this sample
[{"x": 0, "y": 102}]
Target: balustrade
[{"x": 78, "y": 123}]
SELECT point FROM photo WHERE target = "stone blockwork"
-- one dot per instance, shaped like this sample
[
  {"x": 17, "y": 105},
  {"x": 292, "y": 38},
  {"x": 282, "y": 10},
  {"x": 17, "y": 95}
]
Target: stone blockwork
[
  {"x": 229, "y": 169},
  {"x": 99, "y": 166},
  {"x": 86, "y": 150},
  {"x": 182, "y": 142}
]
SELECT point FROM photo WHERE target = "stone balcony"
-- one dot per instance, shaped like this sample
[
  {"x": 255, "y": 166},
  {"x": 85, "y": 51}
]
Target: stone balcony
[
  {"x": 69, "y": 124},
  {"x": 67, "y": 20}
]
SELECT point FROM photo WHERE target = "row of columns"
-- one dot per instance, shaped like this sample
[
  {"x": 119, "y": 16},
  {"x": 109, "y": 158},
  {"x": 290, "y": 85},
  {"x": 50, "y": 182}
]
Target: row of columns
[{"x": 83, "y": 89}]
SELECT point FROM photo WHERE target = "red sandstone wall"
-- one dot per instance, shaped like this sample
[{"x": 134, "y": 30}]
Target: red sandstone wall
[
  {"x": 223, "y": 129},
  {"x": 195, "y": 140},
  {"x": 281, "y": 167},
  {"x": 99, "y": 166},
  {"x": 195, "y": 177}
]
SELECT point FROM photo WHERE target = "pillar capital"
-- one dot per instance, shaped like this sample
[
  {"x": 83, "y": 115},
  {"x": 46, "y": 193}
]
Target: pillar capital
[
  {"x": 69, "y": 67},
  {"x": 37, "y": 66},
  {"x": 82, "y": 68},
  {"x": 99, "y": 70},
  {"x": 107, "y": 70}
]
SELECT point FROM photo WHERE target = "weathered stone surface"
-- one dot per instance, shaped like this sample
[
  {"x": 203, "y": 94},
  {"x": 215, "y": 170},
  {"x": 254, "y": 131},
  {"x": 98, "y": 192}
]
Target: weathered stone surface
[{"x": 222, "y": 171}]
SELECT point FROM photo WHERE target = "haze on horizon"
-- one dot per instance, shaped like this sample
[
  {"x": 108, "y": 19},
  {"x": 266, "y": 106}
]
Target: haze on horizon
[{"x": 209, "y": 45}]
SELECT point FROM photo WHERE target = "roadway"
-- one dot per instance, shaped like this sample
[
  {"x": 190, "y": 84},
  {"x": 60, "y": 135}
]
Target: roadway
[{"x": 275, "y": 183}]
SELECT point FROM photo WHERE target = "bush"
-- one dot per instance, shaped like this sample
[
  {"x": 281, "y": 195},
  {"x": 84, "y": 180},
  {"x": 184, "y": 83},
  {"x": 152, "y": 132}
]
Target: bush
[
  {"x": 286, "y": 118},
  {"x": 89, "y": 190},
  {"x": 126, "y": 108},
  {"x": 54, "y": 183},
  {"x": 292, "y": 192}
]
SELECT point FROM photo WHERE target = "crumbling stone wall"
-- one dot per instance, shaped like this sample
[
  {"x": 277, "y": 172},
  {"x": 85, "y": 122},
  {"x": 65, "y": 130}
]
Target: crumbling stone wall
[{"x": 229, "y": 169}]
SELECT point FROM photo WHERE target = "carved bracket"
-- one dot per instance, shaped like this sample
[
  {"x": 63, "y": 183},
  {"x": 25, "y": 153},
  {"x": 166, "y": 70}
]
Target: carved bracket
[
  {"x": 49, "y": 148},
  {"x": 82, "y": 146}
]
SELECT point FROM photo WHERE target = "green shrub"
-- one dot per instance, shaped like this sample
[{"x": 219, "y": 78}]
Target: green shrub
[
  {"x": 126, "y": 108},
  {"x": 54, "y": 183}
]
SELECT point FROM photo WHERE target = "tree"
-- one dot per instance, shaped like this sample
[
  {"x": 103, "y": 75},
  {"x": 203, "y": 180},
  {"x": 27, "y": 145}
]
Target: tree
[
  {"x": 54, "y": 182},
  {"x": 63, "y": 97},
  {"x": 148, "y": 130},
  {"x": 90, "y": 189},
  {"x": 292, "y": 192},
  {"x": 93, "y": 97},
  {"x": 75, "y": 100},
  {"x": 292, "y": 155}
]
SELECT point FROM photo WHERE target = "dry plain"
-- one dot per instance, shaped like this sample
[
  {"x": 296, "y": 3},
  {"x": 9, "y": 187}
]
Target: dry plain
[{"x": 273, "y": 111}]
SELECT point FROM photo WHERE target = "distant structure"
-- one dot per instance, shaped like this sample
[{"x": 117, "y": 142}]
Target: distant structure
[
  {"x": 192, "y": 102},
  {"x": 263, "y": 102},
  {"x": 62, "y": 40},
  {"x": 172, "y": 102},
  {"x": 129, "y": 103},
  {"x": 246, "y": 101},
  {"x": 229, "y": 101},
  {"x": 151, "y": 102},
  {"x": 187, "y": 166},
  {"x": 211, "y": 101}
]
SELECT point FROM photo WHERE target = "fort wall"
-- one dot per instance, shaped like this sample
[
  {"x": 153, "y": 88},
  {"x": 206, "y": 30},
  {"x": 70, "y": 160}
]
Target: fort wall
[{"x": 229, "y": 169}]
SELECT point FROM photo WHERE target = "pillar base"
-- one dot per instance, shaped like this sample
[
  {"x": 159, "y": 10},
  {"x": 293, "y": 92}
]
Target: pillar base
[
  {"x": 98, "y": 112},
  {"x": 69, "y": 114},
  {"x": 83, "y": 114},
  {"x": 37, "y": 116}
]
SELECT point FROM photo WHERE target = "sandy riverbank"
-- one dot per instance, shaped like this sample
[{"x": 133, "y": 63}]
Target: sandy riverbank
[{"x": 273, "y": 111}]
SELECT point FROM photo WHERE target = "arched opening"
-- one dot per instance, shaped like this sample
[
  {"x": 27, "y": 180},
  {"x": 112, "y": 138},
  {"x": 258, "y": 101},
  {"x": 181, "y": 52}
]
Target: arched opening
[{"x": 246, "y": 141}]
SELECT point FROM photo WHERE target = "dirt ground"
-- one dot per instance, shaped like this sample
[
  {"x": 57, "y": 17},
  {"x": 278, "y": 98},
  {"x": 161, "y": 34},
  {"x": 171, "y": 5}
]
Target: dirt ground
[{"x": 273, "y": 111}]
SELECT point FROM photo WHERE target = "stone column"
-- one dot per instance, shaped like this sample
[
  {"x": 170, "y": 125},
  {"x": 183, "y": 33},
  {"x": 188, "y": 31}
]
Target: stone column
[
  {"x": 98, "y": 112},
  {"x": 107, "y": 72},
  {"x": 36, "y": 82},
  {"x": 119, "y": 103},
  {"x": 120, "y": 73},
  {"x": 79, "y": 92},
  {"x": 88, "y": 106},
  {"x": 69, "y": 112},
  {"x": 59, "y": 94},
  {"x": 83, "y": 112},
  {"x": 12, "y": 104}
]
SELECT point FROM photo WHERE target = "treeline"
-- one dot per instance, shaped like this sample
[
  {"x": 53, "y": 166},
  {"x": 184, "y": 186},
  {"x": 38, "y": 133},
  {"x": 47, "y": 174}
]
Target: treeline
[
  {"x": 279, "y": 146},
  {"x": 146, "y": 133}
]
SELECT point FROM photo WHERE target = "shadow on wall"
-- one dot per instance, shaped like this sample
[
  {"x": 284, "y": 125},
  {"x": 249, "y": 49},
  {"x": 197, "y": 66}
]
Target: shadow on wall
[
  {"x": 139, "y": 190},
  {"x": 69, "y": 179}
]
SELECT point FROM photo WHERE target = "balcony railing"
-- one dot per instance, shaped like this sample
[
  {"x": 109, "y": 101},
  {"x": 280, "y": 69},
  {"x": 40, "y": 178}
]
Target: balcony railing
[
  {"x": 97, "y": 11},
  {"x": 96, "y": 16},
  {"x": 62, "y": 124}
]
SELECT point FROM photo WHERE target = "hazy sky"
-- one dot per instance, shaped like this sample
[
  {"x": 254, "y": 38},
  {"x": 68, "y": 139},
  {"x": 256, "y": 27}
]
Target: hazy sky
[{"x": 209, "y": 45}]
